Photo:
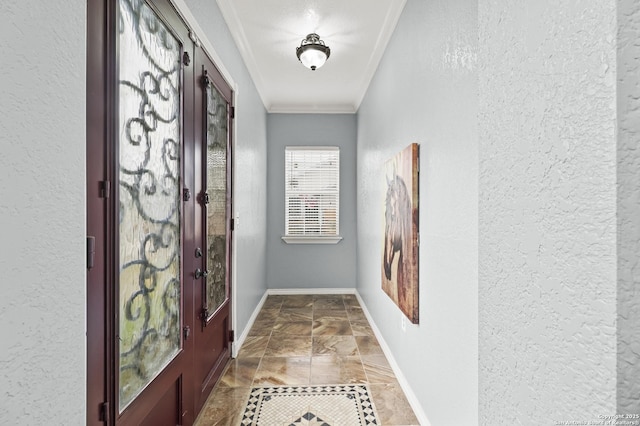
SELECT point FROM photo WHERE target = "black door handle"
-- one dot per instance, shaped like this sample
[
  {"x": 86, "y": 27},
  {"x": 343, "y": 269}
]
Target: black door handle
[{"x": 201, "y": 274}]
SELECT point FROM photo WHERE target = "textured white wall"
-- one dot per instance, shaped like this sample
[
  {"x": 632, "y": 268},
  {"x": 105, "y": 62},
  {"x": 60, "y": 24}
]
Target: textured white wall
[
  {"x": 628, "y": 207},
  {"x": 547, "y": 205},
  {"x": 42, "y": 204},
  {"x": 425, "y": 91},
  {"x": 250, "y": 188}
]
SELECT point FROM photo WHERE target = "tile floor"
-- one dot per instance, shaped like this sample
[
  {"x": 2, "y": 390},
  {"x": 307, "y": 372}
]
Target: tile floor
[{"x": 308, "y": 339}]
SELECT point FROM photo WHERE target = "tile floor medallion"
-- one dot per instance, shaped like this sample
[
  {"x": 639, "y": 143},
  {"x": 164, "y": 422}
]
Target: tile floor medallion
[{"x": 333, "y": 405}]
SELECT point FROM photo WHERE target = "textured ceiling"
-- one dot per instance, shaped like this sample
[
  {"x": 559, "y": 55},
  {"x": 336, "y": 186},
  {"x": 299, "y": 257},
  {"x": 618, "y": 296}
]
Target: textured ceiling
[{"x": 267, "y": 33}]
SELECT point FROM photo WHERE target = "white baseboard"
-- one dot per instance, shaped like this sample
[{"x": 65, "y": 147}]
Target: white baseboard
[
  {"x": 404, "y": 384},
  {"x": 238, "y": 343},
  {"x": 288, "y": 291}
]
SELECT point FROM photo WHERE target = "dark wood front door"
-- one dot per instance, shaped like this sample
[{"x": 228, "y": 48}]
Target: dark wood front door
[
  {"x": 213, "y": 225},
  {"x": 158, "y": 218}
]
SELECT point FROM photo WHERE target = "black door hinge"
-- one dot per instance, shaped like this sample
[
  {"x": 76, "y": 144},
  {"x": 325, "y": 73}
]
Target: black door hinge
[
  {"x": 204, "y": 316},
  {"x": 186, "y": 59},
  {"x": 186, "y": 331},
  {"x": 232, "y": 112},
  {"x": 205, "y": 79},
  {"x": 233, "y": 224},
  {"x": 91, "y": 251},
  {"x": 232, "y": 336},
  {"x": 186, "y": 194},
  {"x": 105, "y": 188},
  {"x": 104, "y": 413}
]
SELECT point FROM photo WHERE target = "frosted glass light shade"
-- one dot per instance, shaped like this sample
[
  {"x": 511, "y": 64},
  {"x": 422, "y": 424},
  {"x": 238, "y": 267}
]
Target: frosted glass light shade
[
  {"x": 312, "y": 58},
  {"x": 313, "y": 53}
]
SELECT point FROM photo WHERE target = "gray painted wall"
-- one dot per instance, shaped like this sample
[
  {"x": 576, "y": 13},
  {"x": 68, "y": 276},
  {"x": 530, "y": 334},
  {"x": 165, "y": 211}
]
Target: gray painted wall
[
  {"x": 42, "y": 212},
  {"x": 42, "y": 203},
  {"x": 311, "y": 265},
  {"x": 547, "y": 211},
  {"x": 250, "y": 203},
  {"x": 428, "y": 95},
  {"x": 628, "y": 207}
]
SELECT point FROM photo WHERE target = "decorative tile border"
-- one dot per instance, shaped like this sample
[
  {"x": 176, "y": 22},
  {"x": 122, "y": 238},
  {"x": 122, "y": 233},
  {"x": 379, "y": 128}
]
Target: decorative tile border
[{"x": 327, "y": 405}]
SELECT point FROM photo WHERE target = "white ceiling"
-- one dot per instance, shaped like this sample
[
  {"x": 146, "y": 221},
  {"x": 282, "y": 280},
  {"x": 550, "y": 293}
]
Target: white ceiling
[{"x": 267, "y": 33}]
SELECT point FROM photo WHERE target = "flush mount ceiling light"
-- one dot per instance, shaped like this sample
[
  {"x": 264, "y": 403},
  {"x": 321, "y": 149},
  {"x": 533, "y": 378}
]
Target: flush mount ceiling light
[{"x": 312, "y": 52}]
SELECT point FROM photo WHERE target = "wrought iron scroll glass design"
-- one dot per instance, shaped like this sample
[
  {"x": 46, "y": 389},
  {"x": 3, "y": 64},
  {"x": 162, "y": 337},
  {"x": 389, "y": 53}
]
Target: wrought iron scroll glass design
[
  {"x": 217, "y": 135},
  {"x": 149, "y": 216}
]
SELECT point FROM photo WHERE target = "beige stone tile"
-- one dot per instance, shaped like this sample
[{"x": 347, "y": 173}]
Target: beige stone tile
[
  {"x": 224, "y": 407},
  {"x": 328, "y": 302},
  {"x": 361, "y": 328},
  {"x": 275, "y": 371},
  {"x": 253, "y": 346},
  {"x": 294, "y": 315},
  {"x": 377, "y": 369},
  {"x": 368, "y": 345},
  {"x": 327, "y": 370},
  {"x": 297, "y": 328},
  {"x": 331, "y": 327},
  {"x": 328, "y": 356},
  {"x": 266, "y": 315},
  {"x": 335, "y": 345},
  {"x": 392, "y": 405},
  {"x": 298, "y": 301},
  {"x": 283, "y": 345},
  {"x": 350, "y": 300},
  {"x": 330, "y": 314},
  {"x": 261, "y": 328},
  {"x": 240, "y": 372},
  {"x": 273, "y": 302},
  {"x": 356, "y": 314},
  {"x": 326, "y": 297}
]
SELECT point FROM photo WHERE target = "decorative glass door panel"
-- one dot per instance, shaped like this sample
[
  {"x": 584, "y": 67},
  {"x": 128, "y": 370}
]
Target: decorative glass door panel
[
  {"x": 149, "y": 143},
  {"x": 216, "y": 218}
]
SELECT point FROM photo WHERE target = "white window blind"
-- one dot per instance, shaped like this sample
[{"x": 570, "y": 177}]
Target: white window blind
[{"x": 312, "y": 191}]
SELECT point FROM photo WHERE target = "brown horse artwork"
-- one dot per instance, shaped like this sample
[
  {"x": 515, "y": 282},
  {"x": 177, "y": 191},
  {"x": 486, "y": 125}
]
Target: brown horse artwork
[{"x": 400, "y": 246}]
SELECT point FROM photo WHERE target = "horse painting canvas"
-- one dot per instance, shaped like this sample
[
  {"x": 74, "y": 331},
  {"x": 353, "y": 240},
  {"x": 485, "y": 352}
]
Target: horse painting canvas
[{"x": 400, "y": 245}]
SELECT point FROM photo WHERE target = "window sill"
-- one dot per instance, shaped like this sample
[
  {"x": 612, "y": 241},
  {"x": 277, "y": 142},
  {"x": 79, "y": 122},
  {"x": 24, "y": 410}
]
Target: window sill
[{"x": 311, "y": 240}]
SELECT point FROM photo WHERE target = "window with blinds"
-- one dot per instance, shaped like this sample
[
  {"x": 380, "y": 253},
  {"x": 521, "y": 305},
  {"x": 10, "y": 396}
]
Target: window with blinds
[{"x": 312, "y": 191}]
